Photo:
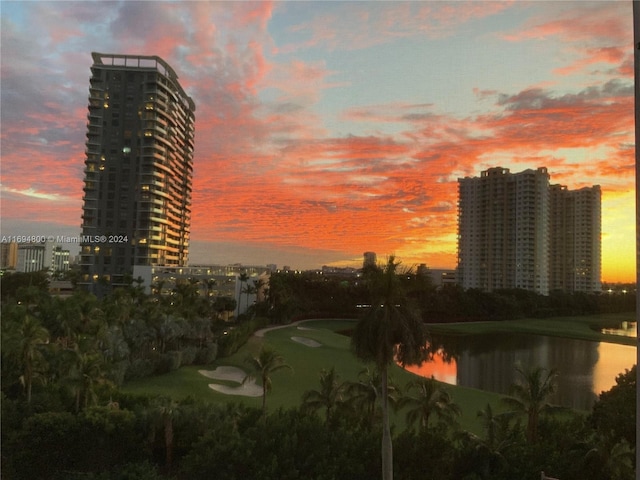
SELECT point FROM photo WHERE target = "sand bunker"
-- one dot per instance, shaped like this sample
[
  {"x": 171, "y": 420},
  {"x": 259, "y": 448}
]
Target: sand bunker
[
  {"x": 249, "y": 389},
  {"x": 306, "y": 341},
  {"x": 233, "y": 374}
]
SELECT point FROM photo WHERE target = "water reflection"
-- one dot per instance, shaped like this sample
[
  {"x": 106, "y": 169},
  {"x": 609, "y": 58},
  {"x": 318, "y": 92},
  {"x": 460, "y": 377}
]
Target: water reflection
[
  {"x": 608, "y": 367},
  {"x": 487, "y": 362},
  {"x": 626, "y": 329}
]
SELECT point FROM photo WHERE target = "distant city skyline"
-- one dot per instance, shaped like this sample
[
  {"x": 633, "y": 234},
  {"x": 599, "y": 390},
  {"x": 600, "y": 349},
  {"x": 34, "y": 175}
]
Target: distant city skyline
[{"x": 328, "y": 129}]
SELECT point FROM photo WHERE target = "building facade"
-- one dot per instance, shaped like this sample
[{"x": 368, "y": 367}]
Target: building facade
[
  {"x": 370, "y": 259},
  {"x": 36, "y": 257},
  {"x": 575, "y": 239},
  {"x": 138, "y": 170},
  {"x": 246, "y": 284},
  {"x": 8, "y": 255},
  {"x": 515, "y": 230},
  {"x": 32, "y": 257}
]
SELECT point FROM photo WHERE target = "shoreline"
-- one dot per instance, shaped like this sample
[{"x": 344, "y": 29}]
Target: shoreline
[{"x": 576, "y": 327}]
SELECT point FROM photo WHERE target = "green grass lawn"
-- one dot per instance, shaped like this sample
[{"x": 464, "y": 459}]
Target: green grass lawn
[
  {"x": 306, "y": 362},
  {"x": 579, "y": 327}
]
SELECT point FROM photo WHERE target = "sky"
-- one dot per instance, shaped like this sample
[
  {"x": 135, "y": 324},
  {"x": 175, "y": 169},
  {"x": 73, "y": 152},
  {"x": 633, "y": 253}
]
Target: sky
[{"x": 327, "y": 129}]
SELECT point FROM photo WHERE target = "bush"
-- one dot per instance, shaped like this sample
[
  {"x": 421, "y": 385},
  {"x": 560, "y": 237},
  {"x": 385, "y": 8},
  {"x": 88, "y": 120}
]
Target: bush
[
  {"x": 168, "y": 362},
  {"x": 207, "y": 354},
  {"x": 139, "y": 368},
  {"x": 615, "y": 411},
  {"x": 234, "y": 339},
  {"x": 56, "y": 445},
  {"x": 130, "y": 471},
  {"x": 118, "y": 372},
  {"x": 189, "y": 355}
]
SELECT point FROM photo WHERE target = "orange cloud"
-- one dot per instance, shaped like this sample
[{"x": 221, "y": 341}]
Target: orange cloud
[{"x": 268, "y": 170}]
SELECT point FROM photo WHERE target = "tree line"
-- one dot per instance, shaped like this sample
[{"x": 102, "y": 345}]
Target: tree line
[
  {"x": 304, "y": 295},
  {"x": 64, "y": 416},
  {"x": 334, "y": 434}
]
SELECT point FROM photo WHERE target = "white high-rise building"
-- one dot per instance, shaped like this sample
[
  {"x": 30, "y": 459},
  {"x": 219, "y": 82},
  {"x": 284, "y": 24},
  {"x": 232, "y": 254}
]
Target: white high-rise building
[
  {"x": 575, "y": 239},
  {"x": 518, "y": 231},
  {"x": 35, "y": 257},
  {"x": 32, "y": 256}
]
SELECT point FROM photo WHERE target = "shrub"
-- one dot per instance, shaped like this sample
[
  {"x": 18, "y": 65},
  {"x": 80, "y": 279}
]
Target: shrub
[
  {"x": 139, "y": 368},
  {"x": 207, "y": 354},
  {"x": 189, "y": 355},
  {"x": 168, "y": 362},
  {"x": 118, "y": 372}
]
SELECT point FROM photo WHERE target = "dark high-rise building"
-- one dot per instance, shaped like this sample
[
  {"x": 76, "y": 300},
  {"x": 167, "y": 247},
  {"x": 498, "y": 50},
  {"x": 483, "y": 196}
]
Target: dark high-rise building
[
  {"x": 138, "y": 170},
  {"x": 369, "y": 259}
]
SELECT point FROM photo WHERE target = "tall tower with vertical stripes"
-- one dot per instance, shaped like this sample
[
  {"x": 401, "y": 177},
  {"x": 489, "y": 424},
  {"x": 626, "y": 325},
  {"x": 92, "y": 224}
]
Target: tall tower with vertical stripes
[{"x": 138, "y": 170}]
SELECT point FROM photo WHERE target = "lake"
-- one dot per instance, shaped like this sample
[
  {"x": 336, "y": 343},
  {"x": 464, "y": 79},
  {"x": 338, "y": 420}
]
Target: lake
[{"x": 486, "y": 362}]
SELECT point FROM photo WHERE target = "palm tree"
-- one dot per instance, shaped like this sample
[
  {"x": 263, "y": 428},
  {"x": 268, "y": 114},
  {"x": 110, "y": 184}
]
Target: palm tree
[
  {"x": 261, "y": 289},
  {"x": 87, "y": 371},
  {"x": 185, "y": 298},
  {"x": 530, "y": 396},
  {"x": 431, "y": 399},
  {"x": 243, "y": 279},
  {"x": 330, "y": 396},
  {"x": 494, "y": 426},
  {"x": 611, "y": 457},
  {"x": 24, "y": 344},
  {"x": 264, "y": 365},
  {"x": 163, "y": 412},
  {"x": 388, "y": 332},
  {"x": 157, "y": 287},
  {"x": 88, "y": 311},
  {"x": 167, "y": 329},
  {"x": 363, "y": 395},
  {"x": 224, "y": 305},
  {"x": 210, "y": 284},
  {"x": 249, "y": 289},
  {"x": 120, "y": 306},
  {"x": 498, "y": 437}
]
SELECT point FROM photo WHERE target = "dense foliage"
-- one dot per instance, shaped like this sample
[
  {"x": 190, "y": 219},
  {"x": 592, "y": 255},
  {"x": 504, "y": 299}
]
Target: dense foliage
[
  {"x": 64, "y": 417},
  {"x": 150, "y": 438},
  {"x": 307, "y": 295}
]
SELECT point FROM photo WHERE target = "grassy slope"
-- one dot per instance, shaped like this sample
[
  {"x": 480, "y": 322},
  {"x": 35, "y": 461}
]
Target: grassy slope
[
  {"x": 580, "y": 327},
  {"x": 307, "y": 362}
]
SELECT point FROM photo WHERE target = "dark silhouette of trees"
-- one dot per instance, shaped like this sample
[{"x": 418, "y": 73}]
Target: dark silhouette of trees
[
  {"x": 430, "y": 398},
  {"x": 24, "y": 339},
  {"x": 330, "y": 397},
  {"x": 389, "y": 331},
  {"x": 63, "y": 415},
  {"x": 243, "y": 278},
  {"x": 263, "y": 366},
  {"x": 530, "y": 396},
  {"x": 614, "y": 414}
]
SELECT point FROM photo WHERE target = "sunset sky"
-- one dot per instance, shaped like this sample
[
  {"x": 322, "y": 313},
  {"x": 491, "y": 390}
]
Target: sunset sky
[{"x": 327, "y": 129}]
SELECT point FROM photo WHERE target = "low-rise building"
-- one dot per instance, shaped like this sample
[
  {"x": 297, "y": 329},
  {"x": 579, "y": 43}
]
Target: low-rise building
[{"x": 244, "y": 283}]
